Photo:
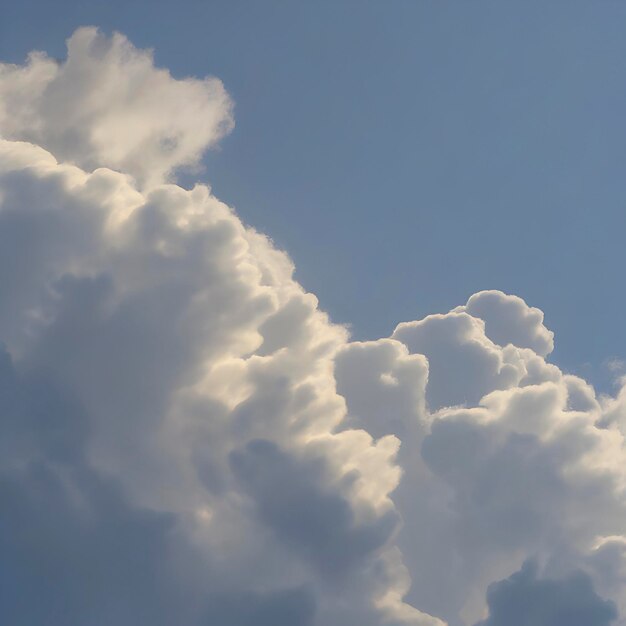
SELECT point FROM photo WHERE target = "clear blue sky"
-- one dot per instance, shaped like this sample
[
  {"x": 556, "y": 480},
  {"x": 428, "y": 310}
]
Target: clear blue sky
[{"x": 409, "y": 153}]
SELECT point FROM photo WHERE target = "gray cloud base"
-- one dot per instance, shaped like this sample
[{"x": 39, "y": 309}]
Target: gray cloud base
[{"x": 524, "y": 600}]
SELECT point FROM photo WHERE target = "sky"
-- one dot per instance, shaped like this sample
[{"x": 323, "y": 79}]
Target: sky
[
  {"x": 407, "y": 154},
  {"x": 309, "y": 315}
]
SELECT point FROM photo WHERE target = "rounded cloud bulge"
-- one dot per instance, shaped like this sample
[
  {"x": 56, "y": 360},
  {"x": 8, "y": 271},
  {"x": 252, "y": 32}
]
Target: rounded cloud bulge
[
  {"x": 508, "y": 319},
  {"x": 188, "y": 439}
]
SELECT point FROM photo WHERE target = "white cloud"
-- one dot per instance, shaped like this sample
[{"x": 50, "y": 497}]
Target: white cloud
[
  {"x": 186, "y": 438},
  {"x": 107, "y": 105},
  {"x": 508, "y": 319}
]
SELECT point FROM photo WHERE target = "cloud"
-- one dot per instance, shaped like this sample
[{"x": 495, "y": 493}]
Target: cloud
[
  {"x": 107, "y": 105},
  {"x": 525, "y": 600},
  {"x": 187, "y": 438},
  {"x": 517, "y": 460},
  {"x": 508, "y": 319},
  {"x": 156, "y": 314}
]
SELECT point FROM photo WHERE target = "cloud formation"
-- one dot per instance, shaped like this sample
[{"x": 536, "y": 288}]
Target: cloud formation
[
  {"x": 187, "y": 438},
  {"x": 107, "y": 105}
]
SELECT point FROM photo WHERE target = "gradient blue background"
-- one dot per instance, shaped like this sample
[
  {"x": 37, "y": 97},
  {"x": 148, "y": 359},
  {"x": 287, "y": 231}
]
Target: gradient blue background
[{"x": 409, "y": 153}]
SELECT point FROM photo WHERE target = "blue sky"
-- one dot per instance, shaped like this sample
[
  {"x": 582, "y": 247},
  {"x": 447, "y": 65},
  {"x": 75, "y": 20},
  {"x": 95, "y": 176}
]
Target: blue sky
[{"x": 407, "y": 154}]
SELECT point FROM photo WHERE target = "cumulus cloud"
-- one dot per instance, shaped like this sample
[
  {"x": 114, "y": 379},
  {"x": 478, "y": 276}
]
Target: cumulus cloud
[
  {"x": 186, "y": 437},
  {"x": 107, "y": 105}
]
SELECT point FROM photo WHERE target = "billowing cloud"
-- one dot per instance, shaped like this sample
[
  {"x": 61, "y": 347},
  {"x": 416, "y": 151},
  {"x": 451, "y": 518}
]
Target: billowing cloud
[
  {"x": 187, "y": 438},
  {"x": 108, "y": 105}
]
